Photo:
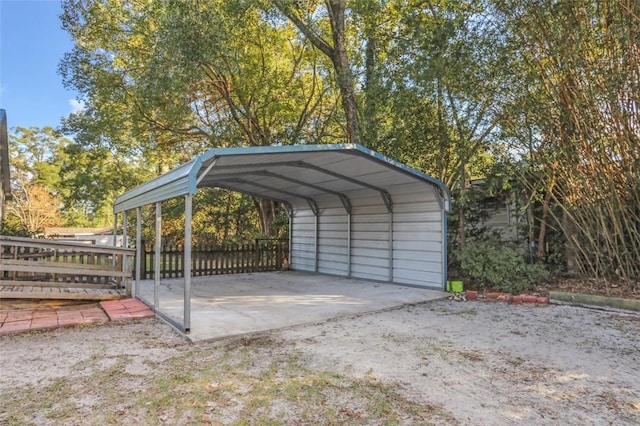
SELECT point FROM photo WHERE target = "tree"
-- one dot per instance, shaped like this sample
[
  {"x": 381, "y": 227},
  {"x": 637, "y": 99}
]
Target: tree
[
  {"x": 36, "y": 185},
  {"x": 302, "y": 16},
  {"x": 574, "y": 116},
  {"x": 166, "y": 80},
  {"x": 446, "y": 86},
  {"x": 34, "y": 208}
]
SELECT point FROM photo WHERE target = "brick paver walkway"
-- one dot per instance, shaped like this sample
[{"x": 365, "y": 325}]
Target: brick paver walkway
[{"x": 19, "y": 320}]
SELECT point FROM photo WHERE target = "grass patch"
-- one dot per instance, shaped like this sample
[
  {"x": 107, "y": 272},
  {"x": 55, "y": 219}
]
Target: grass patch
[
  {"x": 516, "y": 361},
  {"x": 244, "y": 382},
  {"x": 457, "y": 312}
]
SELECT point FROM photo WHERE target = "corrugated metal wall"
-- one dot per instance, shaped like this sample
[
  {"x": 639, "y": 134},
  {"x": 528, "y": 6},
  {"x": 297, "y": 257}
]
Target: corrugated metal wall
[
  {"x": 302, "y": 256},
  {"x": 417, "y": 238},
  {"x": 417, "y": 241},
  {"x": 332, "y": 242}
]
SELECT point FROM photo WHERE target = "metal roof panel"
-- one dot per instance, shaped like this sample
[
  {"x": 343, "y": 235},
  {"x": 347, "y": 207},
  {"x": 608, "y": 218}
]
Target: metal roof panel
[{"x": 342, "y": 168}]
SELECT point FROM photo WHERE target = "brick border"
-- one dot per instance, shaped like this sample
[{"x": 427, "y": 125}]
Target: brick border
[
  {"x": 22, "y": 320},
  {"x": 520, "y": 299}
]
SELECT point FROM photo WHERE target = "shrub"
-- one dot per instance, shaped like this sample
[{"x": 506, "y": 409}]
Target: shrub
[{"x": 495, "y": 264}]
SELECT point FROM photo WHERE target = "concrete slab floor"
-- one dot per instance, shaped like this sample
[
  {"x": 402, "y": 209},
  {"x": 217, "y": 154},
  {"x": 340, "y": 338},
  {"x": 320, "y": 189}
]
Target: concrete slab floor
[{"x": 228, "y": 305}]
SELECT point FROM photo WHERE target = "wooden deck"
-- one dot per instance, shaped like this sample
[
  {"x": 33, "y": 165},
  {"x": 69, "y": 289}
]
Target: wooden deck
[
  {"x": 62, "y": 293},
  {"x": 57, "y": 270}
]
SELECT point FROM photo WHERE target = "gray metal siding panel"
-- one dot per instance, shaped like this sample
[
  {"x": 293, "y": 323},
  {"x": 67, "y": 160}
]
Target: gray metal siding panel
[
  {"x": 370, "y": 241},
  {"x": 417, "y": 242},
  {"x": 417, "y": 236},
  {"x": 434, "y": 246},
  {"x": 370, "y": 273},
  {"x": 428, "y": 279},
  {"x": 302, "y": 253},
  {"x": 332, "y": 242}
]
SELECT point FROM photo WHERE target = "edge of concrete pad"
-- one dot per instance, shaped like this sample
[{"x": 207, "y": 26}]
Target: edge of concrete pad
[
  {"x": 595, "y": 300},
  {"x": 249, "y": 334}
]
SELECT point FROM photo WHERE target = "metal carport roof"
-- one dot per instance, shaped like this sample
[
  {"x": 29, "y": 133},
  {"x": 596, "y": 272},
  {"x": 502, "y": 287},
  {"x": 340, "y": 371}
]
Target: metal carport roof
[{"x": 315, "y": 175}]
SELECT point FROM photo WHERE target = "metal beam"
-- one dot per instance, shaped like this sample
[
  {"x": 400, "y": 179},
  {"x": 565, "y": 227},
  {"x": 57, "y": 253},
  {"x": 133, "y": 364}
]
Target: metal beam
[
  {"x": 255, "y": 194},
  {"x": 386, "y": 197},
  {"x": 312, "y": 203},
  {"x": 206, "y": 171},
  {"x": 344, "y": 199}
]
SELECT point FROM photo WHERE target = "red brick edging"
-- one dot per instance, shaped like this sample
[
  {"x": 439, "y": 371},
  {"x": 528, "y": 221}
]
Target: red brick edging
[
  {"x": 507, "y": 298},
  {"x": 19, "y": 320}
]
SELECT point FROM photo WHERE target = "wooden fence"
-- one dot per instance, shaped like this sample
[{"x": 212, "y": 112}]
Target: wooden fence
[{"x": 262, "y": 255}]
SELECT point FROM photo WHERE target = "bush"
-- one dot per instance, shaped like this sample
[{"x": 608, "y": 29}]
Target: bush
[{"x": 492, "y": 263}]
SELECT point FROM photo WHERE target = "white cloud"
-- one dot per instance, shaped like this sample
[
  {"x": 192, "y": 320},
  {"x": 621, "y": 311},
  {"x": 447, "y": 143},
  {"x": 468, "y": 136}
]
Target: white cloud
[{"x": 76, "y": 106}]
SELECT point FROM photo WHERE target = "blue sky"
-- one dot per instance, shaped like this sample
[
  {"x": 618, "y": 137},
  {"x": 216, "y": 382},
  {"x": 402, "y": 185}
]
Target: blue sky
[{"x": 32, "y": 43}]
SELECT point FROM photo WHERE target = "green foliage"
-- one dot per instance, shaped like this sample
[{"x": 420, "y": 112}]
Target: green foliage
[{"x": 495, "y": 264}]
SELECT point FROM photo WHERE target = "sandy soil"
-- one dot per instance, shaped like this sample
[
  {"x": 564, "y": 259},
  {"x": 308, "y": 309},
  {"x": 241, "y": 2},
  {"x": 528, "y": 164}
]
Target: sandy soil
[{"x": 477, "y": 362}]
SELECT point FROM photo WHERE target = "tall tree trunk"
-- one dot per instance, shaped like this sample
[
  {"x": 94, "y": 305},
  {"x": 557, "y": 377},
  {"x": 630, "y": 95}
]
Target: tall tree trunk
[
  {"x": 267, "y": 211},
  {"x": 227, "y": 209},
  {"x": 371, "y": 91},
  {"x": 337, "y": 53},
  {"x": 343, "y": 70}
]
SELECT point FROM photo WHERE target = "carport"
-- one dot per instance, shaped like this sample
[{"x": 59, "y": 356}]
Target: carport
[{"x": 353, "y": 212}]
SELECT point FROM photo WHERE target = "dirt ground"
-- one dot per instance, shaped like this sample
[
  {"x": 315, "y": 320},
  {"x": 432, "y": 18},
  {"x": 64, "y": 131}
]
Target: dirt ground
[{"x": 443, "y": 362}]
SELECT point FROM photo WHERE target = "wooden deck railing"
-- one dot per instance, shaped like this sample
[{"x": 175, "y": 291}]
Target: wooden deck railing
[{"x": 56, "y": 264}]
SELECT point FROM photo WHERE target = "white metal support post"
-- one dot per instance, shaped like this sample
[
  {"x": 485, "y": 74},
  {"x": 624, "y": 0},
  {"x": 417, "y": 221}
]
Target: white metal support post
[
  {"x": 156, "y": 259},
  {"x": 444, "y": 249},
  {"x": 390, "y": 246},
  {"x": 115, "y": 239},
  {"x": 349, "y": 244},
  {"x": 316, "y": 231},
  {"x": 188, "y": 207},
  {"x": 124, "y": 229},
  {"x": 115, "y": 230},
  {"x": 289, "y": 257},
  {"x": 125, "y": 260},
  {"x": 139, "y": 250}
]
